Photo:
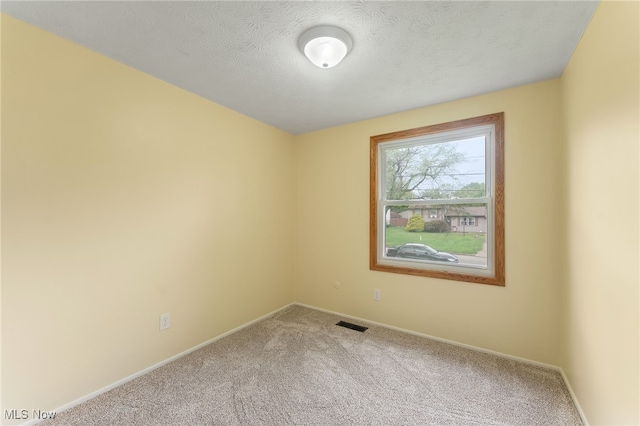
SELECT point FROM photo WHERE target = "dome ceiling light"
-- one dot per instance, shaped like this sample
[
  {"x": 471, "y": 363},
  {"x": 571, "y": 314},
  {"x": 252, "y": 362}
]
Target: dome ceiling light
[{"x": 325, "y": 46}]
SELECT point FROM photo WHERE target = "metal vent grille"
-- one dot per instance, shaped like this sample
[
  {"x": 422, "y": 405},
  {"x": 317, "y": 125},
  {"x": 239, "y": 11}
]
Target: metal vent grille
[{"x": 352, "y": 326}]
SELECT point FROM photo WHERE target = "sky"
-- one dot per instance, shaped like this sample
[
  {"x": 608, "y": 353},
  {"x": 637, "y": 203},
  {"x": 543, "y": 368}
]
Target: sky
[{"x": 473, "y": 169}]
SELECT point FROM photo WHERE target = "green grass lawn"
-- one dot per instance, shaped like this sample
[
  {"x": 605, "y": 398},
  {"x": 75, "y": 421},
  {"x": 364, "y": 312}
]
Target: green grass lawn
[{"x": 452, "y": 242}]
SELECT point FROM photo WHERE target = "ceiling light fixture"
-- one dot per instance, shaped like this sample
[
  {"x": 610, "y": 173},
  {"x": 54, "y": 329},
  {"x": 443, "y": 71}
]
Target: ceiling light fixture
[{"x": 325, "y": 46}]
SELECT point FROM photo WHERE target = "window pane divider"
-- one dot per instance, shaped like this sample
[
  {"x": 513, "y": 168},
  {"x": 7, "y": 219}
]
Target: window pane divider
[{"x": 484, "y": 200}]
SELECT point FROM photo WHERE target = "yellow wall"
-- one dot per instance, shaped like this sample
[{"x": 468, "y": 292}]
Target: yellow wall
[
  {"x": 602, "y": 133},
  {"x": 123, "y": 198},
  {"x": 521, "y": 319}
]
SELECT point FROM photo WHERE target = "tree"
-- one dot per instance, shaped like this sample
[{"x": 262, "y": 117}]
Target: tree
[
  {"x": 413, "y": 170},
  {"x": 443, "y": 192},
  {"x": 415, "y": 224},
  {"x": 471, "y": 190},
  {"x": 436, "y": 226}
]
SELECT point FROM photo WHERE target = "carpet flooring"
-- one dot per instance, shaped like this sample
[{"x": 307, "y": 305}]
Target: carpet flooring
[{"x": 298, "y": 367}]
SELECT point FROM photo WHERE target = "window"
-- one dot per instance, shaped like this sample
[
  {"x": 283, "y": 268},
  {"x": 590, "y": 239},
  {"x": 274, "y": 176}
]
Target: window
[
  {"x": 471, "y": 221},
  {"x": 455, "y": 168}
]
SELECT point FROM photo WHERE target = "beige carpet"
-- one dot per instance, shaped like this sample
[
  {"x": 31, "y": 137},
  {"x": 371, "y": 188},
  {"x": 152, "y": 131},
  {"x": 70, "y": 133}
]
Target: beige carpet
[{"x": 298, "y": 367}]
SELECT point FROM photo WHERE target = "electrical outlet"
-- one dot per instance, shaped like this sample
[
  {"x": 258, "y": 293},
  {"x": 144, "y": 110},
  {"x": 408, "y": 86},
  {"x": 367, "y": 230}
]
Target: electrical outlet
[
  {"x": 376, "y": 294},
  {"x": 165, "y": 321}
]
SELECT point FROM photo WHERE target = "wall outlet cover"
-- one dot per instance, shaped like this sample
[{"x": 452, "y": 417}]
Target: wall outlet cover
[{"x": 165, "y": 321}]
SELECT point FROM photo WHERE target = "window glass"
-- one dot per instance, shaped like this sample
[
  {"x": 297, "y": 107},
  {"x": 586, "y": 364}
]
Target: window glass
[{"x": 455, "y": 234}]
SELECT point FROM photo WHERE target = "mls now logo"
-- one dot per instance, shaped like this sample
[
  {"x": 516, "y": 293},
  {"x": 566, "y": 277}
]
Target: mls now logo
[{"x": 23, "y": 414}]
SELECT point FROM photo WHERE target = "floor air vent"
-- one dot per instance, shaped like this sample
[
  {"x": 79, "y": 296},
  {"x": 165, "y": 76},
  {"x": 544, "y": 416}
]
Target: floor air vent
[{"x": 352, "y": 326}]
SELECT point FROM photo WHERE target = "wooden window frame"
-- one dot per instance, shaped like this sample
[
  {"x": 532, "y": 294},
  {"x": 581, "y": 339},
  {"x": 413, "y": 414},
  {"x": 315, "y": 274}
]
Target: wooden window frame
[{"x": 498, "y": 277}]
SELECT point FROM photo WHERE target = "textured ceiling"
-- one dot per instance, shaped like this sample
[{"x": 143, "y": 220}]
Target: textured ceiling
[{"x": 244, "y": 55}]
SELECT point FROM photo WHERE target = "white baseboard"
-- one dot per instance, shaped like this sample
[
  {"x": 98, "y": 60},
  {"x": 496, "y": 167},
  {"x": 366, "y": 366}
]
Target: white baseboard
[
  {"x": 203, "y": 344},
  {"x": 153, "y": 367},
  {"x": 464, "y": 345},
  {"x": 583, "y": 417}
]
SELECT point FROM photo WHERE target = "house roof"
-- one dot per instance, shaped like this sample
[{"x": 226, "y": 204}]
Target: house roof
[
  {"x": 453, "y": 211},
  {"x": 466, "y": 211}
]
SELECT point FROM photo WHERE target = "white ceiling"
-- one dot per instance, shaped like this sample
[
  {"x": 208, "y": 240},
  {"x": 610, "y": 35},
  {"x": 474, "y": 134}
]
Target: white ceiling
[{"x": 405, "y": 55}]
